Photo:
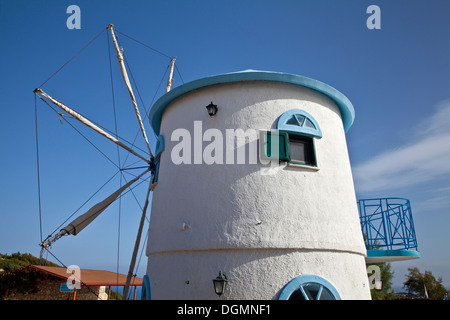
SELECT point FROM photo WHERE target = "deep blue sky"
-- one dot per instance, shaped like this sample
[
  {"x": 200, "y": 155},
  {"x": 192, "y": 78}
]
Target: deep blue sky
[{"x": 397, "y": 78}]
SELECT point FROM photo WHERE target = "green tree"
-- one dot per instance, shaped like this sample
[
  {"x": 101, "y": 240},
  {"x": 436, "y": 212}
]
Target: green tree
[
  {"x": 386, "y": 276},
  {"x": 416, "y": 282},
  {"x": 18, "y": 260}
]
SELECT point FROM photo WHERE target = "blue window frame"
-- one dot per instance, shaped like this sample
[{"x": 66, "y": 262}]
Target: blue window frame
[
  {"x": 309, "y": 287},
  {"x": 299, "y": 122}
]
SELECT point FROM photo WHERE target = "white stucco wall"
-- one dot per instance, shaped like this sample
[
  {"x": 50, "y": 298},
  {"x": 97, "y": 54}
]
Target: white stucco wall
[
  {"x": 253, "y": 274},
  {"x": 254, "y": 227}
]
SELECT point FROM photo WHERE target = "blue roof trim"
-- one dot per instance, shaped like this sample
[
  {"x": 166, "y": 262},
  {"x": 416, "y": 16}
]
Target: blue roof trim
[
  {"x": 393, "y": 253},
  {"x": 344, "y": 104}
]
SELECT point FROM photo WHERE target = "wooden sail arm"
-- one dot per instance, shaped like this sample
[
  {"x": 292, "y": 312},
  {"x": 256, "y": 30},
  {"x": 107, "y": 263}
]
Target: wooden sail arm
[
  {"x": 170, "y": 78},
  {"x": 88, "y": 123},
  {"x": 128, "y": 84}
]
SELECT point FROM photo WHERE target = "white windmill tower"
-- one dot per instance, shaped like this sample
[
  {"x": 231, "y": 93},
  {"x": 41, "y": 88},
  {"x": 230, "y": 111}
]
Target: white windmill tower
[{"x": 281, "y": 225}]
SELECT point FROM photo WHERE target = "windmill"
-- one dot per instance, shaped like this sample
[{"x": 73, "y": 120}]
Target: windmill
[
  {"x": 295, "y": 229},
  {"x": 82, "y": 221}
]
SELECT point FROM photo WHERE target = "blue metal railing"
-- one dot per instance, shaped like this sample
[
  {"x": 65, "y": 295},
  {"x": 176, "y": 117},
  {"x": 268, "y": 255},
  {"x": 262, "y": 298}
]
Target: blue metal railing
[{"x": 387, "y": 224}]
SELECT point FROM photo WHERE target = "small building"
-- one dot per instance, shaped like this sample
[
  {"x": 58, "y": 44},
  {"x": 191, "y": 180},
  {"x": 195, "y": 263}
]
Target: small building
[{"x": 53, "y": 283}]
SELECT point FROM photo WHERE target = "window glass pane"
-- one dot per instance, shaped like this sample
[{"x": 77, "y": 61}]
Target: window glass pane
[
  {"x": 326, "y": 295},
  {"x": 309, "y": 124},
  {"x": 300, "y": 119},
  {"x": 292, "y": 121},
  {"x": 297, "y": 295},
  {"x": 298, "y": 151},
  {"x": 311, "y": 289}
]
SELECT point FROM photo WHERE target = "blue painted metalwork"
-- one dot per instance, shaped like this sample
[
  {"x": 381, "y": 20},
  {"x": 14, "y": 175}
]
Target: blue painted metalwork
[
  {"x": 387, "y": 224},
  {"x": 399, "y": 254}
]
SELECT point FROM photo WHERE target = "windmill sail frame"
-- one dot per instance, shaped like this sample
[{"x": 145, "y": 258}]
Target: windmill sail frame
[{"x": 82, "y": 221}]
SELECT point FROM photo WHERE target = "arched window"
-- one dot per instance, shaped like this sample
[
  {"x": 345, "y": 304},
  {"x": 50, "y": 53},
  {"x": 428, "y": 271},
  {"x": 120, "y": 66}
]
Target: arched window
[
  {"x": 309, "y": 287},
  {"x": 300, "y": 122}
]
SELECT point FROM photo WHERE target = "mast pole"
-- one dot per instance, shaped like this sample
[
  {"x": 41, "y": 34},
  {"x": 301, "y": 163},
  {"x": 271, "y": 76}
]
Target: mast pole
[
  {"x": 136, "y": 245},
  {"x": 127, "y": 82},
  {"x": 88, "y": 123},
  {"x": 170, "y": 79}
]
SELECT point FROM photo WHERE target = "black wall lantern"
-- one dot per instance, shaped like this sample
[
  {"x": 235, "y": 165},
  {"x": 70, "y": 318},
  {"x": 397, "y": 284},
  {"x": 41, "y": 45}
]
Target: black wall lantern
[
  {"x": 220, "y": 283},
  {"x": 212, "y": 109}
]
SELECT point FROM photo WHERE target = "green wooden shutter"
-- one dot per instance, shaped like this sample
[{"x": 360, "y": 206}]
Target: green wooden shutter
[{"x": 275, "y": 145}]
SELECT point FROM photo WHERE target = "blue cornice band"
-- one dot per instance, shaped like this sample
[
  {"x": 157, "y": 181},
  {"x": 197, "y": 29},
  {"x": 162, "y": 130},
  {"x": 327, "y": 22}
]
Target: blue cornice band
[{"x": 344, "y": 104}]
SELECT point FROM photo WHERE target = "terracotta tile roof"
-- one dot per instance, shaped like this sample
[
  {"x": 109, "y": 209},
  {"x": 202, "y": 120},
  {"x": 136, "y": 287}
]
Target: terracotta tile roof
[{"x": 91, "y": 277}]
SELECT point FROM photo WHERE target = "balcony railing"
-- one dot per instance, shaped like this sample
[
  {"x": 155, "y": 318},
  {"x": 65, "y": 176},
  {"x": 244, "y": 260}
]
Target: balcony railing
[{"x": 387, "y": 224}]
